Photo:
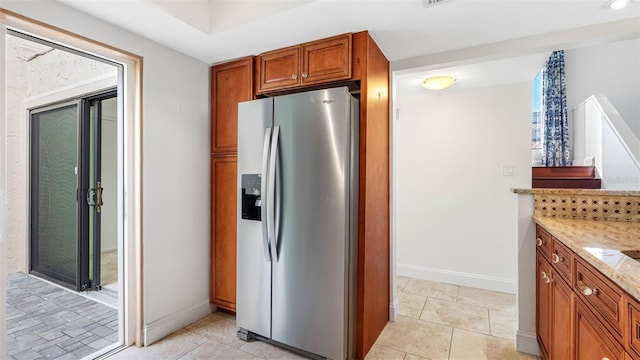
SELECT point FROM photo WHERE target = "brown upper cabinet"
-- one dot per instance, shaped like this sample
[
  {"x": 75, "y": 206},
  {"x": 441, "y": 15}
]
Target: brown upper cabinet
[
  {"x": 231, "y": 83},
  {"x": 310, "y": 63}
]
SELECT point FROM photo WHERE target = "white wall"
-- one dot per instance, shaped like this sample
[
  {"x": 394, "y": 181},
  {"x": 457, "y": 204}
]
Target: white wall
[
  {"x": 603, "y": 137},
  {"x": 175, "y": 168},
  {"x": 455, "y": 219},
  {"x": 612, "y": 69},
  {"x": 619, "y": 172}
]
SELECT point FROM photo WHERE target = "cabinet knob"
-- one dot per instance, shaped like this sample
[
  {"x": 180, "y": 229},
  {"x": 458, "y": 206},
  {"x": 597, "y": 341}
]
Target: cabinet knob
[
  {"x": 546, "y": 277},
  {"x": 556, "y": 259},
  {"x": 588, "y": 291},
  {"x": 294, "y": 76},
  {"x": 304, "y": 75},
  {"x": 539, "y": 242},
  {"x": 605, "y": 358}
]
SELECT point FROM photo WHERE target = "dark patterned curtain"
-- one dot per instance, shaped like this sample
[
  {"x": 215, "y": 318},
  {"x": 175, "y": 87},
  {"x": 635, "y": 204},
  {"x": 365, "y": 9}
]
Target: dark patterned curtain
[{"x": 555, "y": 151}]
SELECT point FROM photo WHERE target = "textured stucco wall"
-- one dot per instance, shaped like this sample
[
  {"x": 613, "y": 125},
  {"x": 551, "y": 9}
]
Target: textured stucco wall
[{"x": 29, "y": 77}]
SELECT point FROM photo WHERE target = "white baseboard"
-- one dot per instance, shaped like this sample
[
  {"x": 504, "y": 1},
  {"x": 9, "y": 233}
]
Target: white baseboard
[
  {"x": 527, "y": 342},
  {"x": 175, "y": 321},
  {"x": 459, "y": 278},
  {"x": 394, "y": 309}
]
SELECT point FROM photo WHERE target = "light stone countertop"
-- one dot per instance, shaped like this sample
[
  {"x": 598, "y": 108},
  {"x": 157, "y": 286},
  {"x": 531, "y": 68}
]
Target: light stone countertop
[
  {"x": 600, "y": 243},
  {"x": 585, "y": 192}
]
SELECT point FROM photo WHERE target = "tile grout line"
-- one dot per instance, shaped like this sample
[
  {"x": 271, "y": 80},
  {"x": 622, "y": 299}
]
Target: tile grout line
[
  {"x": 489, "y": 320},
  {"x": 450, "y": 343}
]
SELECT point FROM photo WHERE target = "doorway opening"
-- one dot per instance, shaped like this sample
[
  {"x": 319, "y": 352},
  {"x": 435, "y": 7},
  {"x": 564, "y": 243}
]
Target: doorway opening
[{"x": 65, "y": 172}]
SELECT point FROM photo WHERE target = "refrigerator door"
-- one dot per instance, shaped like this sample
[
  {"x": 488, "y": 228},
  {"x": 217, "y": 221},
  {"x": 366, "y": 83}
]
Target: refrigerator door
[
  {"x": 253, "y": 289},
  {"x": 310, "y": 277}
]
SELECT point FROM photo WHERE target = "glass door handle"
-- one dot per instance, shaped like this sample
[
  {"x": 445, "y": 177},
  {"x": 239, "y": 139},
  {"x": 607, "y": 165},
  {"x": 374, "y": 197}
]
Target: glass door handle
[
  {"x": 94, "y": 196},
  {"x": 99, "y": 190}
]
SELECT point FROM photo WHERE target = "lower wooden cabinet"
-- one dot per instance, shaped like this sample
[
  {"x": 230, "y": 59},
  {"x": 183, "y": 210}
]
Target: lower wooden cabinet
[
  {"x": 223, "y": 229},
  {"x": 580, "y": 313}
]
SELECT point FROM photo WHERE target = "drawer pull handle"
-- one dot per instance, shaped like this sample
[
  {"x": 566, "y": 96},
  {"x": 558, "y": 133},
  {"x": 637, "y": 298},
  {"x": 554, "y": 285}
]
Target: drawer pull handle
[
  {"x": 539, "y": 242},
  {"x": 556, "y": 259},
  {"x": 588, "y": 291}
]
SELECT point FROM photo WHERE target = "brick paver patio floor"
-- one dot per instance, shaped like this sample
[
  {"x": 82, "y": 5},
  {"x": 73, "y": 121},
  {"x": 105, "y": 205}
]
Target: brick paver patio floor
[{"x": 47, "y": 321}]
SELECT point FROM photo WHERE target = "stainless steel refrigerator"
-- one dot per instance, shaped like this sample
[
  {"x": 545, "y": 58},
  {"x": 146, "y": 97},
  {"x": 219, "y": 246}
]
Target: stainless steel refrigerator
[{"x": 298, "y": 221}]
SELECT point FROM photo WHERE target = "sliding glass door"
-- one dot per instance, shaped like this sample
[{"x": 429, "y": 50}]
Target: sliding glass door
[
  {"x": 54, "y": 193},
  {"x": 66, "y": 191},
  {"x": 98, "y": 146}
]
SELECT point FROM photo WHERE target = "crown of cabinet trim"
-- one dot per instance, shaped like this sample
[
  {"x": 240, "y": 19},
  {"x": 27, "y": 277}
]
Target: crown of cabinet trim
[{"x": 306, "y": 64}]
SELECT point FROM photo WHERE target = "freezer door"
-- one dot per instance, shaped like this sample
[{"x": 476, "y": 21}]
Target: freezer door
[
  {"x": 253, "y": 288},
  {"x": 310, "y": 277}
]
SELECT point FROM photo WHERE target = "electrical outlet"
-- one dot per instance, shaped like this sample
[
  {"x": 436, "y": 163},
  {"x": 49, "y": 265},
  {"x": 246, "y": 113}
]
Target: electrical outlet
[{"x": 508, "y": 170}]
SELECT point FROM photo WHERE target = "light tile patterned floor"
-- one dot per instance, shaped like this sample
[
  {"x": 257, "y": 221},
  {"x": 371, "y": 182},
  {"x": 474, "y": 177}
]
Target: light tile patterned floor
[
  {"x": 449, "y": 322},
  {"x": 437, "y": 321}
]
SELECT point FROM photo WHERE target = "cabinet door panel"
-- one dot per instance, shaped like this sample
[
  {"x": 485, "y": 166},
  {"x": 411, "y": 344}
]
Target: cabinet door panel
[
  {"x": 561, "y": 324},
  {"x": 223, "y": 230},
  {"x": 633, "y": 329},
  {"x": 326, "y": 60},
  {"x": 543, "y": 305},
  {"x": 230, "y": 83},
  {"x": 279, "y": 69},
  {"x": 591, "y": 341}
]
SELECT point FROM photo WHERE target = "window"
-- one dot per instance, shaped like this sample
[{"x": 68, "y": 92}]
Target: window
[{"x": 537, "y": 112}]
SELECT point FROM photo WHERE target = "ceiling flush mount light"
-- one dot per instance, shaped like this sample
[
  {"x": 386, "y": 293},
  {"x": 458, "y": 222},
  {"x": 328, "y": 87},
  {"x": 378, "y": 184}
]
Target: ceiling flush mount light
[
  {"x": 438, "y": 82},
  {"x": 617, "y": 4}
]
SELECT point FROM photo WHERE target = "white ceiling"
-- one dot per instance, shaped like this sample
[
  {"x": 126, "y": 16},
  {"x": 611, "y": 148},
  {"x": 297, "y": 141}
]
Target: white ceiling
[
  {"x": 218, "y": 30},
  {"x": 482, "y": 74}
]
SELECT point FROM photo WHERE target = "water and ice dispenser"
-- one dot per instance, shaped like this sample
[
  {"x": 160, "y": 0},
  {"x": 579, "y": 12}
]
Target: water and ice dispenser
[{"x": 251, "y": 199}]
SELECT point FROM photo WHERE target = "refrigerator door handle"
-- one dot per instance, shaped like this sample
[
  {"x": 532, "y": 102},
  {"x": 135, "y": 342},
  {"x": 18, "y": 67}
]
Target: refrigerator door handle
[
  {"x": 271, "y": 193},
  {"x": 265, "y": 199}
]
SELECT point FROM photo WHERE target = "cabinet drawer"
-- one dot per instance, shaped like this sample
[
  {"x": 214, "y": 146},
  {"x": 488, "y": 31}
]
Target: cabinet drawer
[
  {"x": 603, "y": 297},
  {"x": 561, "y": 260},
  {"x": 543, "y": 242},
  {"x": 633, "y": 329}
]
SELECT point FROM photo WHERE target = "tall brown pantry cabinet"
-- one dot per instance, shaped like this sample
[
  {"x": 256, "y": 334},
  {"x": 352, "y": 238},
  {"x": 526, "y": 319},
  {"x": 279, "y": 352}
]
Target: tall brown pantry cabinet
[
  {"x": 231, "y": 83},
  {"x": 351, "y": 59}
]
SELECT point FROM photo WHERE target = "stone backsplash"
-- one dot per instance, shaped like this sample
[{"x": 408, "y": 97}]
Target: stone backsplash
[
  {"x": 586, "y": 204},
  {"x": 588, "y": 207}
]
